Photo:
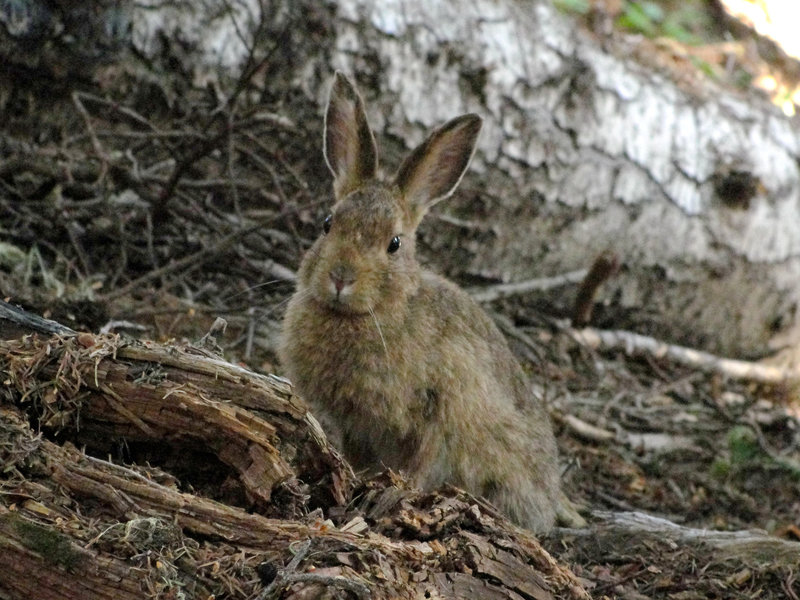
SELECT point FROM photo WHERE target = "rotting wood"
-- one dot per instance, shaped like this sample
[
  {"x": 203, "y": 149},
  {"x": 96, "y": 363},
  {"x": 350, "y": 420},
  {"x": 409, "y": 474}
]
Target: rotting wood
[
  {"x": 135, "y": 498},
  {"x": 172, "y": 393},
  {"x": 167, "y": 394},
  {"x": 40, "y": 562}
]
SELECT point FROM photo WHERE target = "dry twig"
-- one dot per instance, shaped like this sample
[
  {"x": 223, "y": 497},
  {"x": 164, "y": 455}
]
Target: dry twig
[
  {"x": 636, "y": 344},
  {"x": 504, "y": 290},
  {"x": 603, "y": 268}
]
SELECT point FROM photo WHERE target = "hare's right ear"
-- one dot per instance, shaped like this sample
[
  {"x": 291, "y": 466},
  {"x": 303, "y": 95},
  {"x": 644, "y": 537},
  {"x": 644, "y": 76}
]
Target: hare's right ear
[
  {"x": 349, "y": 145},
  {"x": 435, "y": 167}
]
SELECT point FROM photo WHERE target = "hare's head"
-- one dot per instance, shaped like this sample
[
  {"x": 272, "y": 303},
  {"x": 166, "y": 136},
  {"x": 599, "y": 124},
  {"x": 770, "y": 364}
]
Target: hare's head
[{"x": 365, "y": 259}]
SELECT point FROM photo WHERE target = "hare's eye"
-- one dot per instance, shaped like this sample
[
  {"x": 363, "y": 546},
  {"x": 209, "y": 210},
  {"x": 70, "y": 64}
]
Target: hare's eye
[
  {"x": 394, "y": 245},
  {"x": 326, "y": 224}
]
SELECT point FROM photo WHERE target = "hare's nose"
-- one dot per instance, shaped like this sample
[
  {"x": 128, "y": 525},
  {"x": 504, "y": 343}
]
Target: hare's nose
[{"x": 341, "y": 276}]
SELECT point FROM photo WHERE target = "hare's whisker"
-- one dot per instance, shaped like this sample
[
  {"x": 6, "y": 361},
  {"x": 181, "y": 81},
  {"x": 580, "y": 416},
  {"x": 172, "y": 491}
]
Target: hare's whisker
[
  {"x": 299, "y": 295},
  {"x": 254, "y": 287},
  {"x": 273, "y": 309},
  {"x": 380, "y": 333}
]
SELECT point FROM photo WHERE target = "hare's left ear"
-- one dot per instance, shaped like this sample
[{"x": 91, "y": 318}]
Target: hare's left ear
[
  {"x": 350, "y": 149},
  {"x": 432, "y": 171}
]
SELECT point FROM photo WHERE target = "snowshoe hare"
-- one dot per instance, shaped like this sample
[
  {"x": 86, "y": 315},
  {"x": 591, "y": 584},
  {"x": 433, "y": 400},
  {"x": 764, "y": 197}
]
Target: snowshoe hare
[{"x": 403, "y": 363}]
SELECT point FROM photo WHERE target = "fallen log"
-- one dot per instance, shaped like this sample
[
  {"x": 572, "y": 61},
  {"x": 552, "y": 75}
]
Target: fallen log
[
  {"x": 223, "y": 477},
  {"x": 740, "y": 546}
]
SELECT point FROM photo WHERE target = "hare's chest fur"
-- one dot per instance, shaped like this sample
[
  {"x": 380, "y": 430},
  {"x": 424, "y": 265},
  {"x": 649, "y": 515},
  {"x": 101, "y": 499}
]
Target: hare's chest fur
[{"x": 366, "y": 372}]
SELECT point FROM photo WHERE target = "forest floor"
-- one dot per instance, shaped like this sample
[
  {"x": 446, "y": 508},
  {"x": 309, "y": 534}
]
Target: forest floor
[{"x": 153, "y": 205}]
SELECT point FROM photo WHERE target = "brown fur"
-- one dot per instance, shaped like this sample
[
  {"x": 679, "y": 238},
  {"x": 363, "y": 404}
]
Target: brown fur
[{"x": 405, "y": 366}]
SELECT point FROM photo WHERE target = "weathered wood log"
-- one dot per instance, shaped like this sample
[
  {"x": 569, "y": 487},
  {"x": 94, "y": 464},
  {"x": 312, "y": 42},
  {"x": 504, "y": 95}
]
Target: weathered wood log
[
  {"x": 624, "y": 532},
  {"x": 104, "y": 529}
]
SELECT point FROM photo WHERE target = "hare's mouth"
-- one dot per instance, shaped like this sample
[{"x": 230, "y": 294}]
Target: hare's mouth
[{"x": 345, "y": 305}]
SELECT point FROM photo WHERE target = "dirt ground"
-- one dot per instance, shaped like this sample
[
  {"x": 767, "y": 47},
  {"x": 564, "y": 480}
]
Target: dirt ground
[{"x": 151, "y": 206}]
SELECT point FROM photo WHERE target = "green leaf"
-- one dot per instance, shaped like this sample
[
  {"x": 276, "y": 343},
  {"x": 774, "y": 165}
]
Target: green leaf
[
  {"x": 653, "y": 11},
  {"x": 636, "y": 19},
  {"x": 720, "y": 469},
  {"x": 674, "y": 29},
  {"x": 575, "y": 6},
  {"x": 743, "y": 445}
]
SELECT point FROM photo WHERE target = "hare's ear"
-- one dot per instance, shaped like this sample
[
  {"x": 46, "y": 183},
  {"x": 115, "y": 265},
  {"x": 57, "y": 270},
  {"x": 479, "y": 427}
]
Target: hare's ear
[
  {"x": 348, "y": 145},
  {"x": 435, "y": 167}
]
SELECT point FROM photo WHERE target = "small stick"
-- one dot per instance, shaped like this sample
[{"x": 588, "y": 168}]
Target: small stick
[
  {"x": 29, "y": 320},
  {"x": 96, "y": 145},
  {"x": 587, "y": 431},
  {"x": 605, "y": 266},
  {"x": 504, "y": 290},
  {"x": 289, "y": 575}
]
